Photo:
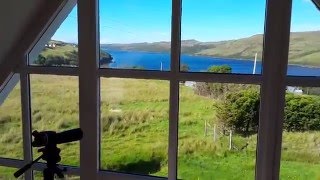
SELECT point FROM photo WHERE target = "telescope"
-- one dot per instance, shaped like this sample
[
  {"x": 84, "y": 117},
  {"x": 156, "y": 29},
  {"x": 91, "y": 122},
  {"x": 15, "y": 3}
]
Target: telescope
[
  {"x": 49, "y": 140},
  {"x": 45, "y": 138}
]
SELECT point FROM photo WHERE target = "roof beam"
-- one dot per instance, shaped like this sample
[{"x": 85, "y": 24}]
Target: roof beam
[
  {"x": 316, "y": 3},
  {"x": 39, "y": 24},
  {"x": 8, "y": 86}
]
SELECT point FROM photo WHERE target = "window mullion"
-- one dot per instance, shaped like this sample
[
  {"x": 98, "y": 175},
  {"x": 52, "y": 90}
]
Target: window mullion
[
  {"x": 26, "y": 121},
  {"x": 88, "y": 27},
  {"x": 275, "y": 61},
  {"x": 174, "y": 88}
]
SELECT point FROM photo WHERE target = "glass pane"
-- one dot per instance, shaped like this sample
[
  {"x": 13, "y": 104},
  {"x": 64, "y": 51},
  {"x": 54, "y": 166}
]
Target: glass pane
[
  {"x": 222, "y": 33},
  {"x": 300, "y": 158},
  {"x": 304, "y": 50},
  {"x": 134, "y": 126},
  {"x": 7, "y": 173},
  {"x": 55, "y": 107},
  {"x": 136, "y": 34},
  {"x": 218, "y": 126},
  {"x": 11, "y": 142},
  {"x": 62, "y": 49}
]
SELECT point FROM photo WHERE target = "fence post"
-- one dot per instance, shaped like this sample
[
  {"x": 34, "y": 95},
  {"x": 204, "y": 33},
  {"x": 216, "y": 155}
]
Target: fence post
[
  {"x": 230, "y": 140},
  {"x": 205, "y": 128},
  {"x": 214, "y": 133}
]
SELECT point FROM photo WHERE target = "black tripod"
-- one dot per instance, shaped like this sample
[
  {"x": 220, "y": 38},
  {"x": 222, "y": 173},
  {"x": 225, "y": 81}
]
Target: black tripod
[{"x": 51, "y": 154}]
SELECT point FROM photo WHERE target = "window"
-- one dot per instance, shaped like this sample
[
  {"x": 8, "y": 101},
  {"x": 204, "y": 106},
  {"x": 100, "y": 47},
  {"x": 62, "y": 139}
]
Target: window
[
  {"x": 146, "y": 108},
  {"x": 134, "y": 126},
  {"x": 11, "y": 125},
  {"x": 62, "y": 49},
  {"x": 218, "y": 126},
  {"x": 300, "y": 144},
  {"x": 304, "y": 40},
  {"x": 299, "y": 157},
  {"x": 54, "y": 107},
  {"x": 222, "y": 33},
  {"x": 135, "y": 34}
]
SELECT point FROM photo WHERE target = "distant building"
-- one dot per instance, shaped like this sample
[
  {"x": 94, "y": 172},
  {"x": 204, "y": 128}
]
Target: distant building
[
  {"x": 50, "y": 45},
  {"x": 295, "y": 90},
  {"x": 191, "y": 84}
]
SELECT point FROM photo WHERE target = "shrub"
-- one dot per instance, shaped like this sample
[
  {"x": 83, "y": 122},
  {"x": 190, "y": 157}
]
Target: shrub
[
  {"x": 220, "y": 69},
  {"x": 240, "y": 111},
  {"x": 302, "y": 113},
  {"x": 218, "y": 90},
  {"x": 184, "y": 67},
  {"x": 69, "y": 58}
]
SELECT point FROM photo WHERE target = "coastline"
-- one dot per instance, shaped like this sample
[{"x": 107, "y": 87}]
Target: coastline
[{"x": 208, "y": 56}]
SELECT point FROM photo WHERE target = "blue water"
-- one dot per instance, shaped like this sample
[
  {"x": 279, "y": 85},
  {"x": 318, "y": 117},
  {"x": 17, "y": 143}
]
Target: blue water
[{"x": 152, "y": 61}]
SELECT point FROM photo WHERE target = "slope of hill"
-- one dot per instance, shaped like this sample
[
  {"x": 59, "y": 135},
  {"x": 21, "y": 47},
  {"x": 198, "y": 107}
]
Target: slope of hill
[
  {"x": 304, "y": 48},
  {"x": 65, "y": 54}
]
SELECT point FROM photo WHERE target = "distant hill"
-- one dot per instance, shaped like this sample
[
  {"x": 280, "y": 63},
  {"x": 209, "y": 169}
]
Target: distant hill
[
  {"x": 304, "y": 48},
  {"x": 58, "y": 53}
]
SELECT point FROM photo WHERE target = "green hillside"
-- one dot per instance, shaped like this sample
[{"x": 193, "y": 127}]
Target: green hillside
[
  {"x": 304, "y": 48},
  {"x": 58, "y": 53},
  {"x": 61, "y": 49}
]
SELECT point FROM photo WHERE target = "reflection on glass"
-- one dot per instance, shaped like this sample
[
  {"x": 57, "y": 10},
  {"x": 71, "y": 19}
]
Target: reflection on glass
[
  {"x": 54, "y": 107},
  {"x": 304, "y": 49},
  {"x": 11, "y": 145},
  {"x": 216, "y": 33},
  {"x": 136, "y": 34},
  {"x": 217, "y": 130},
  {"x": 134, "y": 126},
  {"x": 300, "y": 158}
]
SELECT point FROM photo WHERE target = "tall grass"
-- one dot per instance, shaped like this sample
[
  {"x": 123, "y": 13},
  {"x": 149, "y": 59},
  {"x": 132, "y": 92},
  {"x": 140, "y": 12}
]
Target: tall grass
[{"x": 135, "y": 128}]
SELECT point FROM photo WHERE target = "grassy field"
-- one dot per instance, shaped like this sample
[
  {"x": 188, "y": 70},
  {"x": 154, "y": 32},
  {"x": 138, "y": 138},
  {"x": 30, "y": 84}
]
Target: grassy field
[{"x": 134, "y": 130}]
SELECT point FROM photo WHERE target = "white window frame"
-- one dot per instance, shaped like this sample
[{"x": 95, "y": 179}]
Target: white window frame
[{"x": 273, "y": 81}]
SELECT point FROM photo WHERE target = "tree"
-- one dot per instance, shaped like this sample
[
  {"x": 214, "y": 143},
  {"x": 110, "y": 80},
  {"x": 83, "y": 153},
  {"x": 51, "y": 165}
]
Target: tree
[
  {"x": 302, "y": 113},
  {"x": 215, "y": 90},
  {"x": 184, "y": 67},
  {"x": 240, "y": 111},
  {"x": 41, "y": 60},
  {"x": 72, "y": 57},
  {"x": 56, "y": 61},
  {"x": 220, "y": 69}
]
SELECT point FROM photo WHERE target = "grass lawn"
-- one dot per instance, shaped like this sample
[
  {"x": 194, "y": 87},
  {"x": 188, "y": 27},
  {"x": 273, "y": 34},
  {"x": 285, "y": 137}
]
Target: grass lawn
[{"x": 134, "y": 131}]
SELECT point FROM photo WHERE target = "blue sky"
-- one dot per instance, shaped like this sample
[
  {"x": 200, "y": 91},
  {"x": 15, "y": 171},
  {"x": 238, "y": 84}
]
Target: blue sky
[{"x": 128, "y": 21}]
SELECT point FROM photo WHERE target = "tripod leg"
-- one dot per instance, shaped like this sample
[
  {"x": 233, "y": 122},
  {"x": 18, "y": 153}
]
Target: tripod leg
[
  {"x": 59, "y": 173},
  {"x": 48, "y": 174}
]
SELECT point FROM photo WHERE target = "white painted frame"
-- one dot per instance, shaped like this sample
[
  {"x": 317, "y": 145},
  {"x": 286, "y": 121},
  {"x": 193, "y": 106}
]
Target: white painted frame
[{"x": 273, "y": 81}]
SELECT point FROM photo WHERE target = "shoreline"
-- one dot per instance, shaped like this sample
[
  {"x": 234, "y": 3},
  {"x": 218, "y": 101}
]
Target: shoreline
[{"x": 214, "y": 57}]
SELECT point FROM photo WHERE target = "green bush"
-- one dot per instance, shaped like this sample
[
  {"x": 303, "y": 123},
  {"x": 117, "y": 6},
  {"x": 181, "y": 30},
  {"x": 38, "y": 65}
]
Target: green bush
[
  {"x": 218, "y": 90},
  {"x": 302, "y": 113},
  {"x": 184, "y": 67},
  {"x": 214, "y": 90},
  {"x": 240, "y": 111},
  {"x": 220, "y": 69},
  {"x": 70, "y": 58}
]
